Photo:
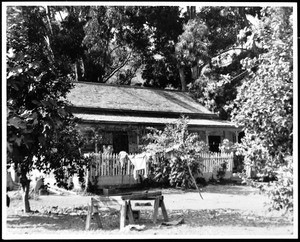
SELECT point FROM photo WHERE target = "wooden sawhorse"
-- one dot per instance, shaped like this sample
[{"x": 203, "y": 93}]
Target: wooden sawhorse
[{"x": 124, "y": 204}]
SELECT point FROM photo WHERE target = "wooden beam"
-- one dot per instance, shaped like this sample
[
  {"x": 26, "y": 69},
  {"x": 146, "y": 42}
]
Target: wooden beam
[
  {"x": 130, "y": 213},
  {"x": 141, "y": 195},
  {"x": 156, "y": 206},
  {"x": 88, "y": 218},
  {"x": 123, "y": 212},
  {"x": 163, "y": 209}
]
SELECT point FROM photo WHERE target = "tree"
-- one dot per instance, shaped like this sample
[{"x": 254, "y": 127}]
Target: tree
[
  {"x": 158, "y": 29},
  {"x": 40, "y": 131},
  {"x": 67, "y": 35},
  {"x": 264, "y": 105},
  {"x": 213, "y": 53},
  {"x": 108, "y": 44},
  {"x": 182, "y": 151},
  {"x": 105, "y": 52},
  {"x": 191, "y": 48}
]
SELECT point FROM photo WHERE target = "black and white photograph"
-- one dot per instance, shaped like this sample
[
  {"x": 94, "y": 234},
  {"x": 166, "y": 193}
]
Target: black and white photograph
[{"x": 149, "y": 120}]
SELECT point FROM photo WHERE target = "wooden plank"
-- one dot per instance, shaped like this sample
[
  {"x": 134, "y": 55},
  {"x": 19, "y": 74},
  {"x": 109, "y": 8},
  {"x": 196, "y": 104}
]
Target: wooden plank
[
  {"x": 88, "y": 218},
  {"x": 141, "y": 195},
  {"x": 128, "y": 166},
  {"x": 108, "y": 201},
  {"x": 114, "y": 166},
  {"x": 163, "y": 209},
  {"x": 155, "y": 212},
  {"x": 123, "y": 215},
  {"x": 130, "y": 213}
]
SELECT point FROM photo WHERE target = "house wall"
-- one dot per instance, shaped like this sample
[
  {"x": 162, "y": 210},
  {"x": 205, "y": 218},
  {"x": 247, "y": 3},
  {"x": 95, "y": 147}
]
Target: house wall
[{"x": 135, "y": 134}]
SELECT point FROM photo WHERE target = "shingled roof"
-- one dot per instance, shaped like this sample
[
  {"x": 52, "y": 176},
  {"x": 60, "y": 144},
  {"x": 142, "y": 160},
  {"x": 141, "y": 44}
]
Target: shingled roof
[
  {"x": 136, "y": 98},
  {"x": 134, "y": 104}
]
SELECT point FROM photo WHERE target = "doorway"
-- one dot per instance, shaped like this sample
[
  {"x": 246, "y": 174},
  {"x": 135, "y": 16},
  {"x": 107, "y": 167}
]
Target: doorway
[
  {"x": 120, "y": 142},
  {"x": 214, "y": 142}
]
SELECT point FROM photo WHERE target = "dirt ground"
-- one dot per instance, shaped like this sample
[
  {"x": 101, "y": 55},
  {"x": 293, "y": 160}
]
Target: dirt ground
[{"x": 226, "y": 211}]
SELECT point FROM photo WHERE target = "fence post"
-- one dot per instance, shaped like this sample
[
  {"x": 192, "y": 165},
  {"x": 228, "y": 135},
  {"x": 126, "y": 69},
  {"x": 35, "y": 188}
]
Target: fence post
[{"x": 128, "y": 168}]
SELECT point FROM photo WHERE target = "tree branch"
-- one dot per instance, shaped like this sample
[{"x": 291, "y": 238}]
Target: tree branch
[
  {"x": 106, "y": 78},
  {"x": 235, "y": 48},
  {"x": 195, "y": 183}
]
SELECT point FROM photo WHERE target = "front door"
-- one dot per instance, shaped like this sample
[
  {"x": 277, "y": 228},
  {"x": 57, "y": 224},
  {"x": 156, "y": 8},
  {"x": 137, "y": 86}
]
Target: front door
[
  {"x": 120, "y": 142},
  {"x": 214, "y": 142}
]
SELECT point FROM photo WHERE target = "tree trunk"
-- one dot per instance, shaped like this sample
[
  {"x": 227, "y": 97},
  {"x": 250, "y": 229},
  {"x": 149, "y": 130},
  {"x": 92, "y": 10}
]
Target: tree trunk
[
  {"x": 182, "y": 78},
  {"x": 25, "y": 182},
  {"x": 191, "y": 11},
  {"x": 81, "y": 69},
  {"x": 195, "y": 183},
  {"x": 86, "y": 188},
  {"x": 75, "y": 71}
]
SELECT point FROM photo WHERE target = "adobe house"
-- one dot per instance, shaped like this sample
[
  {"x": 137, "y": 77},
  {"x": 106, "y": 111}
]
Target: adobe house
[{"x": 119, "y": 115}]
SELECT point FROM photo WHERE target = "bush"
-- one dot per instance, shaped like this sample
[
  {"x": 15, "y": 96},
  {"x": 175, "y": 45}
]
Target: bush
[
  {"x": 201, "y": 181},
  {"x": 159, "y": 172},
  {"x": 179, "y": 174},
  {"x": 281, "y": 191},
  {"x": 181, "y": 152},
  {"x": 172, "y": 173},
  {"x": 221, "y": 171}
]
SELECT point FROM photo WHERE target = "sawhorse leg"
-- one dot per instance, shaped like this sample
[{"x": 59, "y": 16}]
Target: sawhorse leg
[
  {"x": 123, "y": 215},
  {"x": 93, "y": 211},
  {"x": 159, "y": 202},
  {"x": 163, "y": 209},
  {"x": 130, "y": 213},
  {"x": 126, "y": 210}
]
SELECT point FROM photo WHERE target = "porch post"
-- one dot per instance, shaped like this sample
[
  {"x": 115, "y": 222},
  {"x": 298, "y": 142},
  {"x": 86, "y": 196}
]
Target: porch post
[
  {"x": 137, "y": 138},
  {"x": 206, "y": 136},
  {"x": 236, "y": 136}
]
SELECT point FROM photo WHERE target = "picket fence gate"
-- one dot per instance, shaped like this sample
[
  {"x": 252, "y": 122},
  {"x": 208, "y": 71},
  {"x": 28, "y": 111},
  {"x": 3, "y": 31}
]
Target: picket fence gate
[{"x": 213, "y": 160}]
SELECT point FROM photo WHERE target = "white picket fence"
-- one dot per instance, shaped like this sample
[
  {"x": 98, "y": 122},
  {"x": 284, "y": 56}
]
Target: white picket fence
[
  {"x": 108, "y": 171},
  {"x": 213, "y": 160},
  {"x": 108, "y": 165}
]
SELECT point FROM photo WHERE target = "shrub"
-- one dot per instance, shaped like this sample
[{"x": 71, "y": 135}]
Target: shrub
[
  {"x": 281, "y": 191},
  {"x": 181, "y": 151},
  {"x": 221, "y": 171}
]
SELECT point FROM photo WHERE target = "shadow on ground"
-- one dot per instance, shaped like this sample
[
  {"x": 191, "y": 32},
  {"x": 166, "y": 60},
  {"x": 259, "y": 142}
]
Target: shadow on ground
[
  {"x": 230, "y": 189},
  {"x": 110, "y": 221},
  {"x": 220, "y": 189}
]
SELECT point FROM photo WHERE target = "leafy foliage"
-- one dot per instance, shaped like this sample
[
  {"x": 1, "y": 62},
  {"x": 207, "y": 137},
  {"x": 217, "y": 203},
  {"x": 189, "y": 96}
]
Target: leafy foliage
[
  {"x": 41, "y": 132},
  {"x": 192, "y": 45},
  {"x": 161, "y": 27},
  {"x": 218, "y": 73},
  {"x": 119, "y": 40},
  {"x": 181, "y": 151},
  {"x": 264, "y": 104},
  {"x": 221, "y": 171}
]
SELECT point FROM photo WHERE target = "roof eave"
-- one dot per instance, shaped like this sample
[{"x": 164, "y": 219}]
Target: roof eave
[
  {"x": 155, "y": 124},
  {"x": 141, "y": 113}
]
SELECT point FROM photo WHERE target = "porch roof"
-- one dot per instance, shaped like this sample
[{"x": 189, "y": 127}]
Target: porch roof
[{"x": 121, "y": 119}]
